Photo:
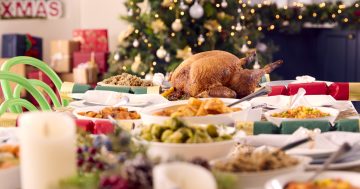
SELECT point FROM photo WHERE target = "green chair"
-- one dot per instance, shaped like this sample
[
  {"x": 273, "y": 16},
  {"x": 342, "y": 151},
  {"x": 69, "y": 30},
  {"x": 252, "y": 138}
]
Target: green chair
[{"x": 12, "y": 100}]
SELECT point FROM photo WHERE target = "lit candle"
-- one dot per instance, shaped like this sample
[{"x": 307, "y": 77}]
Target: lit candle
[{"x": 47, "y": 149}]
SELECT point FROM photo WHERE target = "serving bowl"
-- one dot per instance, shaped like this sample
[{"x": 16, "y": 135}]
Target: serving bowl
[
  {"x": 166, "y": 151},
  {"x": 148, "y": 117},
  {"x": 281, "y": 181},
  {"x": 277, "y": 121},
  {"x": 127, "y": 124},
  {"x": 256, "y": 180}
]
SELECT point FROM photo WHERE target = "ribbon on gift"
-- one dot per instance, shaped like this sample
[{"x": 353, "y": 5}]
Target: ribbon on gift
[
  {"x": 338, "y": 90},
  {"x": 30, "y": 42}
]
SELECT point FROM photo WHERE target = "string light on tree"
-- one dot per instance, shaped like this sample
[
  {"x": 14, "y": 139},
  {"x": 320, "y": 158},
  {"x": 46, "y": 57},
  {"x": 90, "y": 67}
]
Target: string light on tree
[
  {"x": 177, "y": 25},
  {"x": 161, "y": 52},
  {"x": 196, "y": 10}
]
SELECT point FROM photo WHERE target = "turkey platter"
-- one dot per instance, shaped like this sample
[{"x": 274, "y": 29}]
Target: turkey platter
[{"x": 217, "y": 74}]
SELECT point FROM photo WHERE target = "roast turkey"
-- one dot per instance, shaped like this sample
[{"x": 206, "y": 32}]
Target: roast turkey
[{"x": 218, "y": 74}]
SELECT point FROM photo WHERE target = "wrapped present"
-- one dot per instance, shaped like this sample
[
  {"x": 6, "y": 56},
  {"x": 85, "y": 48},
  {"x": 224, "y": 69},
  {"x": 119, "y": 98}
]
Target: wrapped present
[
  {"x": 21, "y": 45},
  {"x": 92, "y": 40},
  {"x": 19, "y": 70},
  {"x": 100, "y": 58},
  {"x": 69, "y": 77},
  {"x": 86, "y": 73},
  {"x": 39, "y": 75},
  {"x": 62, "y": 55}
]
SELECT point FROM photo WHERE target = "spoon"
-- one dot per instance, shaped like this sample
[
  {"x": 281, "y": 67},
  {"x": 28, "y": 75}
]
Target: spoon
[
  {"x": 263, "y": 91},
  {"x": 299, "y": 95},
  {"x": 344, "y": 148}
]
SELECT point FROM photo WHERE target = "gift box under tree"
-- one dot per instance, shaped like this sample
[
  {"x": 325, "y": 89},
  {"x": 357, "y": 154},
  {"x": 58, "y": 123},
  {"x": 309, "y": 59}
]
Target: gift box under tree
[
  {"x": 21, "y": 45},
  {"x": 61, "y": 52},
  {"x": 100, "y": 59},
  {"x": 92, "y": 40}
]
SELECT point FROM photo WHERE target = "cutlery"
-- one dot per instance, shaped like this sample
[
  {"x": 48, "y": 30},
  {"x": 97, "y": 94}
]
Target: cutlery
[
  {"x": 343, "y": 149},
  {"x": 262, "y": 91},
  {"x": 295, "y": 144}
]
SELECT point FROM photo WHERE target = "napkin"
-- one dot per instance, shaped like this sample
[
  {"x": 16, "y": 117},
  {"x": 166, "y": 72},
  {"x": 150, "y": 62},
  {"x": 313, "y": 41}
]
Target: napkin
[
  {"x": 182, "y": 175},
  {"x": 304, "y": 79},
  {"x": 9, "y": 136}
]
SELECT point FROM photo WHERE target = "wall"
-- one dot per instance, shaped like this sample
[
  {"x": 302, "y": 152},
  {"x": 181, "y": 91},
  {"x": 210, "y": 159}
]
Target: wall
[
  {"x": 98, "y": 14},
  {"x": 47, "y": 29},
  {"x": 78, "y": 14}
]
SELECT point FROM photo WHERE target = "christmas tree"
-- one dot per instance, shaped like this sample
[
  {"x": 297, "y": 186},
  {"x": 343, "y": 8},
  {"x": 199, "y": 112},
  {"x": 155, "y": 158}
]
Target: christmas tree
[{"x": 163, "y": 33}]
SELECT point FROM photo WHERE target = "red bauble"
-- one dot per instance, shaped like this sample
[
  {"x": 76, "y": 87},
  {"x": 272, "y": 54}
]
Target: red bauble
[{"x": 357, "y": 13}]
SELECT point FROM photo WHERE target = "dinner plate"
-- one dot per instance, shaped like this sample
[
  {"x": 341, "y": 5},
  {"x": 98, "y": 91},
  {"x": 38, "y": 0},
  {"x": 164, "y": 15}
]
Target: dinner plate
[
  {"x": 281, "y": 181},
  {"x": 335, "y": 166},
  {"x": 277, "y": 121},
  {"x": 286, "y": 83},
  {"x": 126, "y": 123},
  {"x": 313, "y": 153}
]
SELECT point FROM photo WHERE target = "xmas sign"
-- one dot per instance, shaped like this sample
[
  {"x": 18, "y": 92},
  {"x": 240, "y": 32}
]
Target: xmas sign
[{"x": 29, "y": 9}]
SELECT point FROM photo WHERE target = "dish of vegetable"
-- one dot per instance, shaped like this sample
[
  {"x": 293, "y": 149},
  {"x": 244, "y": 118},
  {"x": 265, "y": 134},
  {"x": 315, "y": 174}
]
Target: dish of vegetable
[
  {"x": 301, "y": 112},
  {"x": 175, "y": 131},
  {"x": 321, "y": 184}
]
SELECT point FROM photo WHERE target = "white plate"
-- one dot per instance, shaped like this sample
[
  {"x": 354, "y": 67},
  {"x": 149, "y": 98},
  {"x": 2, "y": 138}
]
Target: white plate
[
  {"x": 127, "y": 124},
  {"x": 314, "y": 153},
  {"x": 286, "y": 83},
  {"x": 277, "y": 121},
  {"x": 228, "y": 118},
  {"x": 281, "y": 181},
  {"x": 256, "y": 180},
  {"x": 334, "y": 166},
  {"x": 209, "y": 151}
]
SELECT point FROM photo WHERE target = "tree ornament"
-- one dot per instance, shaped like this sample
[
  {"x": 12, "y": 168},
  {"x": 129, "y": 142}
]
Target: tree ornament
[
  {"x": 239, "y": 10},
  {"x": 184, "y": 53},
  {"x": 176, "y": 25},
  {"x": 238, "y": 27},
  {"x": 183, "y": 6},
  {"x": 196, "y": 10},
  {"x": 244, "y": 49},
  {"x": 167, "y": 57},
  {"x": 201, "y": 39},
  {"x": 137, "y": 66},
  {"x": 158, "y": 26},
  {"x": 161, "y": 52},
  {"x": 256, "y": 65},
  {"x": 188, "y": 1},
  {"x": 262, "y": 47},
  {"x": 224, "y": 4},
  {"x": 259, "y": 23},
  {"x": 285, "y": 23},
  {"x": 135, "y": 43},
  {"x": 130, "y": 12}
]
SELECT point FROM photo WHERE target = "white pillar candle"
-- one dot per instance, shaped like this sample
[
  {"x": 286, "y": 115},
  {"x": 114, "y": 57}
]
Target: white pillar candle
[{"x": 47, "y": 149}]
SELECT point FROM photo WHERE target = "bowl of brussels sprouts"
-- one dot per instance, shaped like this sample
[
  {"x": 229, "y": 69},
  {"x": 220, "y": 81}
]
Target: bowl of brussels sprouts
[{"x": 174, "y": 139}]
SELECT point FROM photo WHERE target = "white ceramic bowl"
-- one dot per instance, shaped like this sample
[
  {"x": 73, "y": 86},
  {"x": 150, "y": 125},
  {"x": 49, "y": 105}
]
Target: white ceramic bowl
[
  {"x": 256, "y": 180},
  {"x": 208, "y": 151},
  {"x": 228, "y": 118},
  {"x": 281, "y": 181},
  {"x": 277, "y": 121},
  {"x": 126, "y": 123},
  {"x": 10, "y": 178}
]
